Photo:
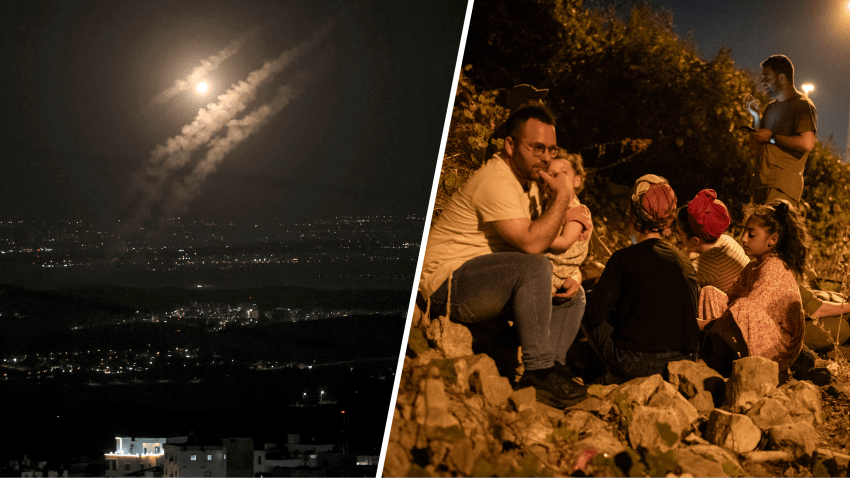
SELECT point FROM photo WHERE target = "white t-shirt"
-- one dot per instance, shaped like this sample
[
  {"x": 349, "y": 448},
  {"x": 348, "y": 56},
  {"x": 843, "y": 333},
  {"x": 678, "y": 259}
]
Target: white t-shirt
[{"x": 464, "y": 230}]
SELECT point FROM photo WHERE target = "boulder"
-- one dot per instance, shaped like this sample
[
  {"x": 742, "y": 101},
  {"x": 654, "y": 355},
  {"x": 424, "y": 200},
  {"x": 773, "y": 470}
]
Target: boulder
[
  {"x": 431, "y": 407},
  {"x": 708, "y": 460},
  {"x": 449, "y": 338},
  {"x": 804, "y": 400},
  {"x": 703, "y": 402},
  {"x": 397, "y": 460},
  {"x": 654, "y": 428},
  {"x": 798, "y": 438},
  {"x": 523, "y": 399},
  {"x": 639, "y": 390},
  {"x": 581, "y": 421},
  {"x": 691, "y": 378},
  {"x": 761, "y": 456},
  {"x": 602, "y": 441},
  {"x": 731, "y": 430},
  {"x": 478, "y": 374},
  {"x": 768, "y": 412},
  {"x": 752, "y": 378},
  {"x": 667, "y": 396}
]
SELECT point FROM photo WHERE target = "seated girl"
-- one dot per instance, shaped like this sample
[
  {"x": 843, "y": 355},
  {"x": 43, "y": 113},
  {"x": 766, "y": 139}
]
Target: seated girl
[
  {"x": 762, "y": 314},
  {"x": 569, "y": 249},
  {"x": 701, "y": 226}
]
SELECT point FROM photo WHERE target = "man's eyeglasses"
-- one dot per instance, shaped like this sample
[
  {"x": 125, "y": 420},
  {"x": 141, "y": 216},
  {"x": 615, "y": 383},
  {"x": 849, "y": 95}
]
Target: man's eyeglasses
[{"x": 538, "y": 149}]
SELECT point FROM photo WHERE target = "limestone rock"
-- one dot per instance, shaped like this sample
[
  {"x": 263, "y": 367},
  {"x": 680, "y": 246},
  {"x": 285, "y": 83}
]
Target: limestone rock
[
  {"x": 654, "y": 428},
  {"x": 691, "y": 378},
  {"x": 478, "y": 373},
  {"x": 731, "y": 430},
  {"x": 449, "y": 338},
  {"x": 396, "y": 461},
  {"x": 530, "y": 428},
  {"x": 432, "y": 405},
  {"x": 460, "y": 457},
  {"x": 523, "y": 398},
  {"x": 752, "y": 378},
  {"x": 602, "y": 441},
  {"x": 769, "y": 412},
  {"x": 805, "y": 400},
  {"x": 580, "y": 420},
  {"x": 701, "y": 464},
  {"x": 639, "y": 390},
  {"x": 703, "y": 402},
  {"x": 721, "y": 455},
  {"x": 667, "y": 396},
  {"x": 600, "y": 406},
  {"x": 799, "y": 438}
]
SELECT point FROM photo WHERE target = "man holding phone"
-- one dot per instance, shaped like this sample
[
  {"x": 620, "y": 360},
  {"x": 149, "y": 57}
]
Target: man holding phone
[{"x": 782, "y": 137}]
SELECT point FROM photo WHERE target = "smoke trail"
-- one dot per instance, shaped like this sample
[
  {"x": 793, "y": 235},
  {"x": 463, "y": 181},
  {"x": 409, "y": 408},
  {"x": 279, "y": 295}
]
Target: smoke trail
[
  {"x": 238, "y": 130},
  {"x": 147, "y": 184},
  {"x": 199, "y": 73}
]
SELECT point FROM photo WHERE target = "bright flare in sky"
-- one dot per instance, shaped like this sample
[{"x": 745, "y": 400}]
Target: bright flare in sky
[
  {"x": 202, "y": 87},
  {"x": 808, "y": 87}
]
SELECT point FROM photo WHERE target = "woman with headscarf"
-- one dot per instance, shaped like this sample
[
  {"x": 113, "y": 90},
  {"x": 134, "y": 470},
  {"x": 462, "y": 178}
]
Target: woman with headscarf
[
  {"x": 642, "y": 312},
  {"x": 701, "y": 226}
]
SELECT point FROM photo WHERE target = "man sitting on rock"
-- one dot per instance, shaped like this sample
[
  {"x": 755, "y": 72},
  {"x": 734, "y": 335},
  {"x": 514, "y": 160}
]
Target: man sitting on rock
[
  {"x": 483, "y": 259},
  {"x": 642, "y": 313}
]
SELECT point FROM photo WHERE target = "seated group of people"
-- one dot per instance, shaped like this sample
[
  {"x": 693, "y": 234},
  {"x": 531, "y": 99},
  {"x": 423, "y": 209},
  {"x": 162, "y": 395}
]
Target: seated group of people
[{"x": 511, "y": 240}]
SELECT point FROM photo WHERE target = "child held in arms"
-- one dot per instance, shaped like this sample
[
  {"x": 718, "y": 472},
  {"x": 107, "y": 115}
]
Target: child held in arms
[
  {"x": 701, "y": 226},
  {"x": 762, "y": 315},
  {"x": 569, "y": 249}
]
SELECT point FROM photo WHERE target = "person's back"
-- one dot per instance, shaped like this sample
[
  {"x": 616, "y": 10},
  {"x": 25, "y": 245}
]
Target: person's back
[
  {"x": 657, "y": 305},
  {"x": 642, "y": 314}
]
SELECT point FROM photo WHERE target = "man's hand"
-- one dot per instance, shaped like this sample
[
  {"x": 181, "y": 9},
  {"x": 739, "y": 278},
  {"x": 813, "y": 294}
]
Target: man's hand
[
  {"x": 752, "y": 106},
  {"x": 559, "y": 184},
  {"x": 762, "y": 136}
]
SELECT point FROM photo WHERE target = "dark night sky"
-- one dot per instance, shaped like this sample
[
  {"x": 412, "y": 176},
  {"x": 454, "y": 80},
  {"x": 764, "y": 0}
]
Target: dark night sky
[
  {"x": 815, "y": 35},
  {"x": 360, "y": 133}
]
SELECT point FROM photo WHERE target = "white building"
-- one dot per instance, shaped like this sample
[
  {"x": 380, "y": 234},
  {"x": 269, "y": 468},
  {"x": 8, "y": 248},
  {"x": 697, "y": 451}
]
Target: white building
[{"x": 134, "y": 455}]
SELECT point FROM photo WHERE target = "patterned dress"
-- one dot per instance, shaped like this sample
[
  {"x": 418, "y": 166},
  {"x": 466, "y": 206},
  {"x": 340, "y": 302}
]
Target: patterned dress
[{"x": 763, "y": 307}]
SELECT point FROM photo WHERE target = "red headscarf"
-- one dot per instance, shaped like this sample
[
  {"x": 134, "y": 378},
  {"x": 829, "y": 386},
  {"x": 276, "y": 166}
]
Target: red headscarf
[{"x": 707, "y": 216}]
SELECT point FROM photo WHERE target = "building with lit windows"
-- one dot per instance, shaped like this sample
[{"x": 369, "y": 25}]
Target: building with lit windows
[
  {"x": 140, "y": 456},
  {"x": 194, "y": 457}
]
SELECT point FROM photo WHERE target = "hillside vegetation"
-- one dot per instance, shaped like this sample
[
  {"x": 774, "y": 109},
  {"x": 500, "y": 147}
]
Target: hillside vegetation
[{"x": 633, "y": 98}]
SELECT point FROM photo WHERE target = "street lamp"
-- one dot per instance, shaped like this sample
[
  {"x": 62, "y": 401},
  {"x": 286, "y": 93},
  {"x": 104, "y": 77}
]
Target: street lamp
[
  {"x": 807, "y": 88},
  {"x": 321, "y": 396}
]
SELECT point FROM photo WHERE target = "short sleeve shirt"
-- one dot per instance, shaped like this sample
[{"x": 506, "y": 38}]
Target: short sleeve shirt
[
  {"x": 721, "y": 265},
  {"x": 464, "y": 230},
  {"x": 779, "y": 167}
]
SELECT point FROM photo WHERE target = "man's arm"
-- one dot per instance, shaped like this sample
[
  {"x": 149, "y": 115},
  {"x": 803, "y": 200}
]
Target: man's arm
[
  {"x": 535, "y": 237},
  {"x": 803, "y": 142}
]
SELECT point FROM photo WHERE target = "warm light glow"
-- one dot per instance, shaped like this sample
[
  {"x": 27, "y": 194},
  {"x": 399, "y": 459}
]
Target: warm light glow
[
  {"x": 808, "y": 87},
  {"x": 202, "y": 87},
  {"x": 848, "y": 6}
]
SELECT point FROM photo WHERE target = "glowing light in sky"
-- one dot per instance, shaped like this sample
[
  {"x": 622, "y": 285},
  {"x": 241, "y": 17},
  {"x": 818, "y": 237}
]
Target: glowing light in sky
[
  {"x": 202, "y": 87},
  {"x": 808, "y": 87}
]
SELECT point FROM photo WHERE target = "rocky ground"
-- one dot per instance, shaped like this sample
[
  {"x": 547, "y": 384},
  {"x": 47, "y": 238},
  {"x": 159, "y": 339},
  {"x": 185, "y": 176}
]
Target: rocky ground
[{"x": 460, "y": 417}]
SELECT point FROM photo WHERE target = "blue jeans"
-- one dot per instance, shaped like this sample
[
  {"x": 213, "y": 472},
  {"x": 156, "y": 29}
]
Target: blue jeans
[
  {"x": 624, "y": 365},
  {"x": 516, "y": 286}
]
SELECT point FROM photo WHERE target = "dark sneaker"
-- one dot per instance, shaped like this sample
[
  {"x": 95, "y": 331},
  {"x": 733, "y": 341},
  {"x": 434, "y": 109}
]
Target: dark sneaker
[{"x": 552, "y": 388}]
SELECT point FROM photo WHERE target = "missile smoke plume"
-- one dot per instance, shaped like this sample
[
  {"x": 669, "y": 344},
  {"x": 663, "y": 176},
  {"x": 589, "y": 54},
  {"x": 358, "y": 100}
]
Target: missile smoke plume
[
  {"x": 238, "y": 130},
  {"x": 199, "y": 73},
  {"x": 150, "y": 181}
]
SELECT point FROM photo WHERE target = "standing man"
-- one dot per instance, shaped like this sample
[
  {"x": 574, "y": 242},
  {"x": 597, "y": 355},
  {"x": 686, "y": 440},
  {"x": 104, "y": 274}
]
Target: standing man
[
  {"x": 784, "y": 134},
  {"x": 483, "y": 259}
]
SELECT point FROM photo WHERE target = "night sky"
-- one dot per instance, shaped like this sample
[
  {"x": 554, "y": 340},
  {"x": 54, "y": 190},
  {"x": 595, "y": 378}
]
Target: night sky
[
  {"x": 815, "y": 35},
  {"x": 313, "y": 109}
]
